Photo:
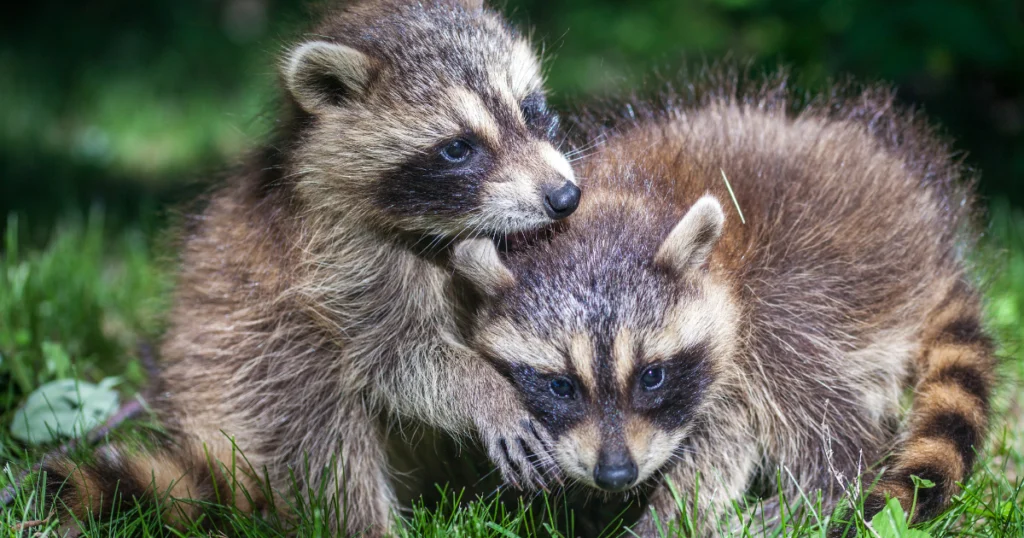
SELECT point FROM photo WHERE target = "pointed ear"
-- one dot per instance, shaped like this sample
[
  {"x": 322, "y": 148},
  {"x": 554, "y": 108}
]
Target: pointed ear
[
  {"x": 478, "y": 262},
  {"x": 319, "y": 74},
  {"x": 689, "y": 244}
]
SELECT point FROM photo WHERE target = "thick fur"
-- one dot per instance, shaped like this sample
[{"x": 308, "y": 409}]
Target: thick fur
[
  {"x": 786, "y": 352},
  {"x": 312, "y": 300}
]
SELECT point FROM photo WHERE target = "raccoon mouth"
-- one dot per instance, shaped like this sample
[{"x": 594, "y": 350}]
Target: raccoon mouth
[{"x": 517, "y": 241}]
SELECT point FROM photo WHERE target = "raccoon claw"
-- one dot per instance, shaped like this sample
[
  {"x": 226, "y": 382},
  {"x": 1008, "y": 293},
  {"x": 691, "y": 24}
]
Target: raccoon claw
[{"x": 522, "y": 456}]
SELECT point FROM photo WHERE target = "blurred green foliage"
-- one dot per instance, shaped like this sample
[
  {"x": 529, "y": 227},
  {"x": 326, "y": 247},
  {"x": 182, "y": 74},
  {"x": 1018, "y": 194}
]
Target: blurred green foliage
[
  {"x": 961, "y": 60},
  {"x": 76, "y": 308},
  {"x": 115, "y": 109},
  {"x": 123, "y": 102}
]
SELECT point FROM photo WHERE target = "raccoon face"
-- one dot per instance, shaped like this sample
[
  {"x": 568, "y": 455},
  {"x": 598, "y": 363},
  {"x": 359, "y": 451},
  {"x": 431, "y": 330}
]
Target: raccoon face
[
  {"x": 435, "y": 123},
  {"x": 617, "y": 370}
]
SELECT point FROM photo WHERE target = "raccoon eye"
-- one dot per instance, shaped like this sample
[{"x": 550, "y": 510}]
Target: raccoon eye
[
  {"x": 457, "y": 151},
  {"x": 652, "y": 377},
  {"x": 562, "y": 387}
]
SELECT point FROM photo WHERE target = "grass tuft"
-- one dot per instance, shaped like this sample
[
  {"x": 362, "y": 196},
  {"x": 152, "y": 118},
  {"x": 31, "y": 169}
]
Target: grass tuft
[{"x": 78, "y": 307}]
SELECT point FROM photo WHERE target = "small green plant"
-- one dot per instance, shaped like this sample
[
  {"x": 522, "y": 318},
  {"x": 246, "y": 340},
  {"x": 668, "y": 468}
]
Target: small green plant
[
  {"x": 77, "y": 307},
  {"x": 891, "y": 522}
]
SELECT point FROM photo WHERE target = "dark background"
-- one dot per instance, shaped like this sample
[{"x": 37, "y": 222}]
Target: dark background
[{"x": 122, "y": 102}]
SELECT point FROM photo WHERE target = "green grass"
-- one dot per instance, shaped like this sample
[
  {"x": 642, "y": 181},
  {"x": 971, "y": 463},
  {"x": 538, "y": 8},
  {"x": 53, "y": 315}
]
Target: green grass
[{"x": 78, "y": 305}]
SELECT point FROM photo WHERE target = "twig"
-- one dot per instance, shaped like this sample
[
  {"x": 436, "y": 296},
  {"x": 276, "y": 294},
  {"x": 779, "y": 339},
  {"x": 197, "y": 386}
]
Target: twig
[{"x": 733, "y": 196}]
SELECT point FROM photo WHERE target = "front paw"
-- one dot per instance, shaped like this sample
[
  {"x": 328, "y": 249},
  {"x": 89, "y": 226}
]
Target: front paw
[{"x": 522, "y": 453}]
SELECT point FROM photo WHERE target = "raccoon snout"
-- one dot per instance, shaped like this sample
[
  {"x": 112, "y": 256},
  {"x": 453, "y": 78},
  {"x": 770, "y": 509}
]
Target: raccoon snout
[
  {"x": 615, "y": 472},
  {"x": 562, "y": 201}
]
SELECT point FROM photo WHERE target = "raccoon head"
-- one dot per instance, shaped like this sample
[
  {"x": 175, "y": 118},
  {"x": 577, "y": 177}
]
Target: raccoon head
[
  {"x": 614, "y": 342},
  {"x": 428, "y": 118}
]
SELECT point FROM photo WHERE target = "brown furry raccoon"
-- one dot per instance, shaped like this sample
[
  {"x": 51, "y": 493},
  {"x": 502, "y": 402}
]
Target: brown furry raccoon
[
  {"x": 311, "y": 300},
  {"x": 665, "y": 337}
]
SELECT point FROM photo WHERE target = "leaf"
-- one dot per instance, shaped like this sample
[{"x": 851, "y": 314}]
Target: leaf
[
  {"x": 891, "y": 522},
  {"x": 64, "y": 408},
  {"x": 922, "y": 483}
]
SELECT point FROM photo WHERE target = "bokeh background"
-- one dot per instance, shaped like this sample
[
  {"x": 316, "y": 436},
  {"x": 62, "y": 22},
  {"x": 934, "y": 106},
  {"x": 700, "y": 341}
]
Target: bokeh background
[
  {"x": 119, "y": 102},
  {"x": 113, "y": 111}
]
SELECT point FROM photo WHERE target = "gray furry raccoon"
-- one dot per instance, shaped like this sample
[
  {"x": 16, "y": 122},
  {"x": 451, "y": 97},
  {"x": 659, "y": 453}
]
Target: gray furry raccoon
[
  {"x": 313, "y": 299},
  {"x": 663, "y": 336}
]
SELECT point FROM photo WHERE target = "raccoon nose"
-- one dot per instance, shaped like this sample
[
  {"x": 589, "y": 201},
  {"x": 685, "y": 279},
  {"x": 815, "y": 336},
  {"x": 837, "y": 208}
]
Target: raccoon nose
[
  {"x": 615, "y": 473},
  {"x": 561, "y": 202}
]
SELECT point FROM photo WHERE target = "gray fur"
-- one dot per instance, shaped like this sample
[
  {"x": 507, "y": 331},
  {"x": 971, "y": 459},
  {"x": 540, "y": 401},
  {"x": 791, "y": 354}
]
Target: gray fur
[
  {"x": 845, "y": 287},
  {"x": 313, "y": 311}
]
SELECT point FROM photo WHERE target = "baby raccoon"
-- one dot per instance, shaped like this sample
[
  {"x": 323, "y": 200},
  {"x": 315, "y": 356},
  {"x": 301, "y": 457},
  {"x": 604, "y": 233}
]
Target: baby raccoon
[
  {"x": 312, "y": 307},
  {"x": 670, "y": 333}
]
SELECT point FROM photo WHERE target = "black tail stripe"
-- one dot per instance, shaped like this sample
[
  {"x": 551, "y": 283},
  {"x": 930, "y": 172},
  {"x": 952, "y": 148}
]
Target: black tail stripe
[
  {"x": 956, "y": 428},
  {"x": 965, "y": 330},
  {"x": 116, "y": 481},
  {"x": 930, "y": 501},
  {"x": 56, "y": 484},
  {"x": 966, "y": 377}
]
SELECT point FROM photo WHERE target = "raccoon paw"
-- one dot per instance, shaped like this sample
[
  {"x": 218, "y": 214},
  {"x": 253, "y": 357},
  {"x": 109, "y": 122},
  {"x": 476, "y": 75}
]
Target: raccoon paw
[{"x": 522, "y": 454}]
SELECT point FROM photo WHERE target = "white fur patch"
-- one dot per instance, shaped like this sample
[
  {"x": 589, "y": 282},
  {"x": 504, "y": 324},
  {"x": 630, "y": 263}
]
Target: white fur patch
[
  {"x": 556, "y": 160},
  {"x": 581, "y": 353},
  {"x": 477, "y": 260},
  {"x": 623, "y": 357},
  {"x": 474, "y": 113},
  {"x": 524, "y": 76},
  {"x": 513, "y": 206},
  {"x": 576, "y": 452},
  {"x": 516, "y": 346}
]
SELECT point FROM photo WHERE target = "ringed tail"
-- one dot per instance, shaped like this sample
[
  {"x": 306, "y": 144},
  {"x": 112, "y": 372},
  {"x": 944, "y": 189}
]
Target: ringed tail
[
  {"x": 117, "y": 478},
  {"x": 950, "y": 412}
]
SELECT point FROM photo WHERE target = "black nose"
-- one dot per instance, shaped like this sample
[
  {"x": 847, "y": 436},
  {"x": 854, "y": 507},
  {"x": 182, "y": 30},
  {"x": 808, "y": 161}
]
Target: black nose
[
  {"x": 615, "y": 475},
  {"x": 561, "y": 202}
]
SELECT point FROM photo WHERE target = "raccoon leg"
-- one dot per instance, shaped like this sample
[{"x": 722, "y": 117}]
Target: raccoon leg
[
  {"x": 713, "y": 470},
  {"x": 449, "y": 387},
  {"x": 950, "y": 412},
  {"x": 354, "y": 483}
]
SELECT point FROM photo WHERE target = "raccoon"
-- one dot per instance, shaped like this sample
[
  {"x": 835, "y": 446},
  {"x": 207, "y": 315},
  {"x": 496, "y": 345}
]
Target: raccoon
[
  {"x": 745, "y": 294},
  {"x": 313, "y": 306}
]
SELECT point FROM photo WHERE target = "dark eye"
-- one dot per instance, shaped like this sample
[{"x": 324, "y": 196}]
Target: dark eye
[
  {"x": 562, "y": 387},
  {"x": 457, "y": 151},
  {"x": 652, "y": 377}
]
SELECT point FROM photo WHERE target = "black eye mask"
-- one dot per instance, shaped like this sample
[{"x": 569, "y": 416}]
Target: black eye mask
[
  {"x": 668, "y": 392},
  {"x": 446, "y": 180},
  {"x": 557, "y": 400}
]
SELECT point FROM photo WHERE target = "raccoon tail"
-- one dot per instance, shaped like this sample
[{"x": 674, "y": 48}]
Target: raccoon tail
[
  {"x": 950, "y": 413},
  {"x": 175, "y": 479}
]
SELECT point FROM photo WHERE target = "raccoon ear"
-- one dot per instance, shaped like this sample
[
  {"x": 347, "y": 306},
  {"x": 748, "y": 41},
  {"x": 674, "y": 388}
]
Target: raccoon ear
[
  {"x": 478, "y": 262},
  {"x": 689, "y": 244},
  {"x": 319, "y": 74}
]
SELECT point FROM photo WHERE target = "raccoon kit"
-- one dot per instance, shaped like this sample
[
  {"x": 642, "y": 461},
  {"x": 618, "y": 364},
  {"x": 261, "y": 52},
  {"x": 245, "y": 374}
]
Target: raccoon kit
[
  {"x": 664, "y": 336},
  {"x": 312, "y": 297}
]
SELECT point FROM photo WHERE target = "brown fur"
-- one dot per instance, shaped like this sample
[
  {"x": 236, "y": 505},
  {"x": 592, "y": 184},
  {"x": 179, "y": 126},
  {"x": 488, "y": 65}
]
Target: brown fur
[
  {"x": 846, "y": 286},
  {"x": 312, "y": 306}
]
